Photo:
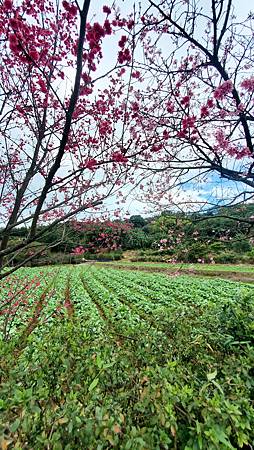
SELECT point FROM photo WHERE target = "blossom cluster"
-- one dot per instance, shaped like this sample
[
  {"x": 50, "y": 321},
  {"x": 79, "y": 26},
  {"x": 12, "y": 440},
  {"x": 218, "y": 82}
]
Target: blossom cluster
[{"x": 222, "y": 90}]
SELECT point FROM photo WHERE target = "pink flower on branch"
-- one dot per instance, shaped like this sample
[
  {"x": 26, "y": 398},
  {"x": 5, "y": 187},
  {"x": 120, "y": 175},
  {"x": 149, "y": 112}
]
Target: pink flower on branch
[
  {"x": 224, "y": 145},
  {"x": 122, "y": 41},
  {"x": 105, "y": 128},
  {"x": 106, "y": 9},
  {"x": 7, "y": 5},
  {"x": 185, "y": 100},
  {"x": 119, "y": 157},
  {"x": 124, "y": 56},
  {"x": 188, "y": 122},
  {"x": 78, "y": 250},
  {"x": 136, "y": 74},
  {"x": 90, "y": 164},
  {"x": 170, "y": 107},
  {"x": 156, "y": 148},
  {"x": 204, "y": 111},
  {"x": 248, "y": 84},
  {"x": 70, "y": 8},
  {"x": 222, "y": 90}
]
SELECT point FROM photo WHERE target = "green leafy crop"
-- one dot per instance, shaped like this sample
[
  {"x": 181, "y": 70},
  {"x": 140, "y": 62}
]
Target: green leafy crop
[{"x": 101, "y": 358}]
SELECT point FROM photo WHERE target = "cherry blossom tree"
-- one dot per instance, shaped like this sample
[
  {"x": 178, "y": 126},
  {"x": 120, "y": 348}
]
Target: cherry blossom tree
[
  {"x": 198, "y": 98},
  {"x": 100, "y": 236},
  {"x": 174, "y": 105},
  {"x": 65, "y": 139}
]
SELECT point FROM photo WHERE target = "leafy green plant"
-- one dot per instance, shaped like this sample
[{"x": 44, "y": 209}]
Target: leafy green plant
[{"x": 130, "y": 360}]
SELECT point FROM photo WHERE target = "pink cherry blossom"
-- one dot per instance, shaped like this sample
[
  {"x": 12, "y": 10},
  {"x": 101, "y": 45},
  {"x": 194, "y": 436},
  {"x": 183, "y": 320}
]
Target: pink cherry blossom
[{"x": 222, "y": 90}]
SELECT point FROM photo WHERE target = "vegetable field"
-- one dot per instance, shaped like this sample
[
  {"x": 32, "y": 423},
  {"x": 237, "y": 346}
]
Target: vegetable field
[{"x": 96, "y": 358}]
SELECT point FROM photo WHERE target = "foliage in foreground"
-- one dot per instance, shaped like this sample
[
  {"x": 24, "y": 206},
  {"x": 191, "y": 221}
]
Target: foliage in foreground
[{"x": 107, "y": 359}]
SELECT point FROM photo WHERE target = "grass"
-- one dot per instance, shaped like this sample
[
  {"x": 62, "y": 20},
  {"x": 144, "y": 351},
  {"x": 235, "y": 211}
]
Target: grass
[{"x": 246, "y": 268}]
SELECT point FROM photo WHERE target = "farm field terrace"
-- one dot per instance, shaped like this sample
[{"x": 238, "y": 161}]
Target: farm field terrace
[
  {"x": 100, "y": 358},
  {"x": 248, "y": 268}
]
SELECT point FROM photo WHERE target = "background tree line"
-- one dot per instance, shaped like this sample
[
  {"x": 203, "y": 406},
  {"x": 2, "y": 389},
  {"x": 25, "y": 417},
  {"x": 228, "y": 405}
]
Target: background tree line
[{"x": 226, "y": 236}]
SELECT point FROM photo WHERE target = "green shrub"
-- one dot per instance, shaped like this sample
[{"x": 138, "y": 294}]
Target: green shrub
[
  {"x": 197, "y": 251},
  {"x": 227, "y": 258},
  {"x": 217, "y": 247},
  {"x": 241, "y": 245},
  {"x": 107, "y": 256}
]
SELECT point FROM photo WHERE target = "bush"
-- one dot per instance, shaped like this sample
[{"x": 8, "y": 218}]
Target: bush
[
  {"x": 56, "y": 259},
  {"x": 110, "y": 256},
  {"x": 197, "y": 251},
  {"x": 218, "y": 247},
  {"x": 62, "y": 258},
  {"x": 241, "y": 245},
  {"x": 227, "y": 258},
  {"x": 249, "y": 257}
]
